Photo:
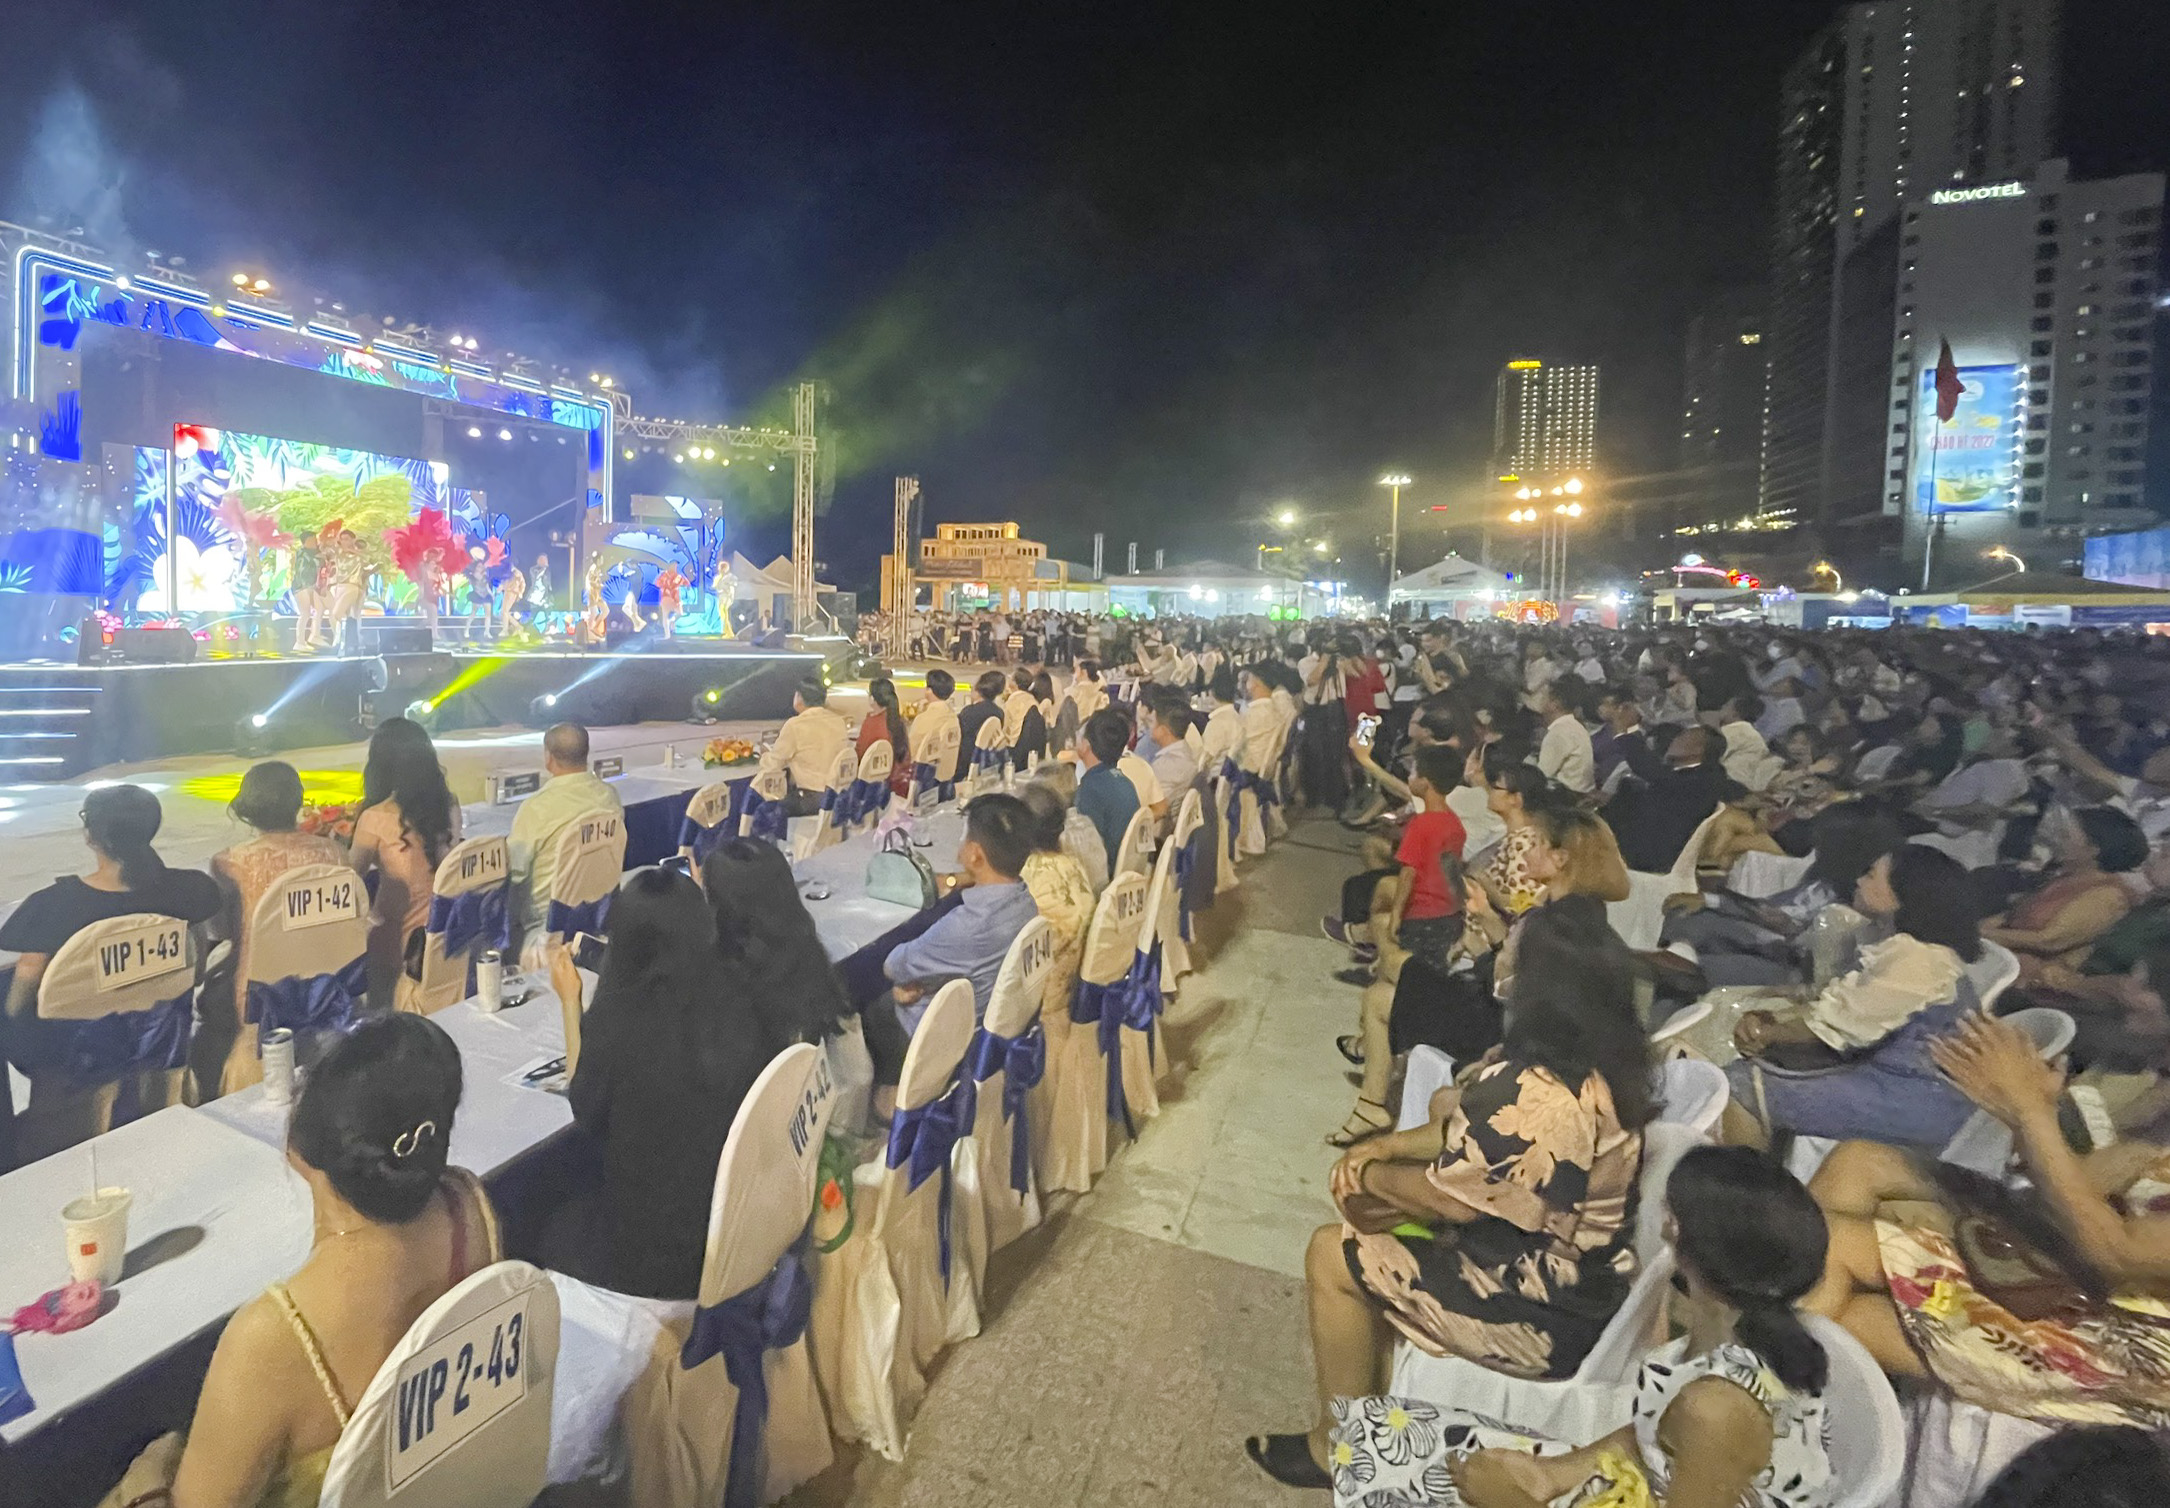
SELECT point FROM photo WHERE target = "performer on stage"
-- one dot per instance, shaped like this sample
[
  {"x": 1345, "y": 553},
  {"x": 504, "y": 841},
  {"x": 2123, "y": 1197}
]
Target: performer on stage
[
  {"x": 631, "y": 605},
  {"x": 515, "y": 589},
  {"x": 304, "y": 566},
  {"x": 596, "y": 610},
  {"x": 670, "y": 585},
  {"x": 538, "y": 584},
  {"x": 480, "y": 595},
  {"x": 725, "y": 586},
  {"x": 346, "y": 568}
]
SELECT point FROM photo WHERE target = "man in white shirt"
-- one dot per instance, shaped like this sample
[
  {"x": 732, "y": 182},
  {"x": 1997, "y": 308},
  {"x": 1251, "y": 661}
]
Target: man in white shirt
[
  {"x": 1175, "y": 766},
  {"x": 572, "y": 792},
  {"x": 806, "y": 747},
  {"x": 1151, "y": 795},
  {"x": 935, "y": 714},
  {"x": 1566, "y": 756}
]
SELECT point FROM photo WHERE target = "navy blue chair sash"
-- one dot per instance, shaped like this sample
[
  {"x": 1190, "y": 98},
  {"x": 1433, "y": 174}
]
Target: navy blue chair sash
[
  {"x": 920, "y": 1141},
  {"x": 590, "y": 916},
  {"x": 923, "y": 774},
  {"x": 310, "y": 1002},
  {"x": 1186, "y": 864},
  {"x": 1132, "y": 1001},
  {"x": 743, "y": 1329},
  {"x": 770, "y": 819},
  {"x": 479, "y": 916},
  {"x": 104, "y": 1049},
  {"x": 1022, "y": 1062}
]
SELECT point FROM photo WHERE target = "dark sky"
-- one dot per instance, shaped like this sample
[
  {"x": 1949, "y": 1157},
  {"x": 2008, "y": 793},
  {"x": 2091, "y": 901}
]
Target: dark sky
[{"x": 1149, "y": 268}]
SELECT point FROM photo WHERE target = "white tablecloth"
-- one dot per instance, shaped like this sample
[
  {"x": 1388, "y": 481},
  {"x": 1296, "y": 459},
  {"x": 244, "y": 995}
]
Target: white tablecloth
[{"x": 224, "y": 1212}]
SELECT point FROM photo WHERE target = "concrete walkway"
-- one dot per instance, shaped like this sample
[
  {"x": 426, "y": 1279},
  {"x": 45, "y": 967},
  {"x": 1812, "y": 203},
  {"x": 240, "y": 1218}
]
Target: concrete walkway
[{"x": 1132, "y": 1342}]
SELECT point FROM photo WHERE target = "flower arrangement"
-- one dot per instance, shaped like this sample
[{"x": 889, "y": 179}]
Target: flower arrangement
[
  {"x": 728, "y": 751},
  {"x": 330, "y": 820}
]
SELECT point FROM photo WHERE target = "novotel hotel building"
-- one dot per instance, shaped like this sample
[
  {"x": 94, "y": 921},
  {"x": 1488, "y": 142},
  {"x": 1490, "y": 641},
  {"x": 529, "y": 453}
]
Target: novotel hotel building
[{"x": 2046, "y": 291}]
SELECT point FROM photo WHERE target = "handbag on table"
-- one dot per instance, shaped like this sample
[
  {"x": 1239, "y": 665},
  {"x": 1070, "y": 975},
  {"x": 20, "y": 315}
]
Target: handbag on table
[{"x": 897, "y": 873}]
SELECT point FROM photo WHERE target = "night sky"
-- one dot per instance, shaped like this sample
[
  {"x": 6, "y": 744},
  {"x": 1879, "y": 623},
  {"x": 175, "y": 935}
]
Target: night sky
[{"x": 1154, "y": 269}]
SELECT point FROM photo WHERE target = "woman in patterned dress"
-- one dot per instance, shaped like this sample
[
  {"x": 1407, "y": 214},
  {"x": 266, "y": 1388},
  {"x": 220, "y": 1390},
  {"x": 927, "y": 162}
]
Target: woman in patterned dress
[
  {"x": 1511, "y": 787},
  {"x": 2062, "y": 1315},
  {"x": 1501, "y": 1231},
  {"x": 1731, "y": 1413}
]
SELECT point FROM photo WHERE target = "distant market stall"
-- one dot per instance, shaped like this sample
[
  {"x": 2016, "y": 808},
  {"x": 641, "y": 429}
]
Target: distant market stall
[
  {"x": 2023, "y": 600},
  {"x": 1451, "y": 588}
]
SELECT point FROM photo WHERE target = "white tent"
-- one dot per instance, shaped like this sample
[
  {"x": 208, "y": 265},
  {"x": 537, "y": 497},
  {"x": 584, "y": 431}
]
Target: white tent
[{"x": 1458, "y": 587}]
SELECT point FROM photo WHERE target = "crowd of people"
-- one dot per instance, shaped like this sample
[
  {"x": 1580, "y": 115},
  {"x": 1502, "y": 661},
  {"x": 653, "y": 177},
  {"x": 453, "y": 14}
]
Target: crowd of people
[{"x": 1875, "y": 851}]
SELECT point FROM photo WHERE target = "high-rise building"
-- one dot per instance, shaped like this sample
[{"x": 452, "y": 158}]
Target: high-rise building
[
  {"x": 1545, "y": 424},
  {"x": 1892, "y": 98},
  {"x": 2045, "y": 290},
  {"x": 1721, "y": 411}
]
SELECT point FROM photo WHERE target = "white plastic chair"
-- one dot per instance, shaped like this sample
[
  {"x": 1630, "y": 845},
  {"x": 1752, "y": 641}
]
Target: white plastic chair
[
  {"x": 1428, "y": 1071},
  {"x": 1684, "y": 1020},
  {"x": 1759, "y": 875},
  {"x": 991, "y": 1211},
  {"x": 1070, "y": 1108},
  {"x": 1864, "y": 1431},
  {"x": 124, "y": 965},
  {"x": 1984, "y": 1143},
  {"x": 1996, "y": 971},
  {"x": 472, "y": 867},
  {"x": 1954, "y": 1450},
  {"x": 313, "y": 921},
  {"x": 882, "y": 1311},
  {"x": 1692, "y": 1093},
  {"x": 1601, "y": 1393},
  {"x": 459, "y": 1414},
  {"x": 1640, "y": 919}
]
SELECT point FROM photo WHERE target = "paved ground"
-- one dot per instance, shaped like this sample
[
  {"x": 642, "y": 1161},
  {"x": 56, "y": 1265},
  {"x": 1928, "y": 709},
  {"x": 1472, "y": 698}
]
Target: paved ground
[{"x": 1133, "y": 1341}]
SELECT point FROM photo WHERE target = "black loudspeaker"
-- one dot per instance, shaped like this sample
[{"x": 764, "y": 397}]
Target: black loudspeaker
[
  {"x": 773, "y": 639},
  {"x": 395, "y": 637},
  {"x": 152, "y": 646}
]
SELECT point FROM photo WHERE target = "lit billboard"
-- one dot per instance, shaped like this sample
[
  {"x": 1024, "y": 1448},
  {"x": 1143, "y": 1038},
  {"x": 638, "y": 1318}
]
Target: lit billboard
[{"x": 1974, "y": 467}]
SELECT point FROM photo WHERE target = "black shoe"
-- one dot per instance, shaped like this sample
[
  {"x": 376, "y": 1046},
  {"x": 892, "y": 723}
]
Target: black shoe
[
  {"x": 1358, "y": 976},
  {"x": 1287, "y": 1459}
]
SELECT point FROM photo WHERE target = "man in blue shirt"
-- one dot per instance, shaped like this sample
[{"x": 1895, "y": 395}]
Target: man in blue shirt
[
  {"x": 968, "y": 942},
  {"x": 1105, "y": 796}
]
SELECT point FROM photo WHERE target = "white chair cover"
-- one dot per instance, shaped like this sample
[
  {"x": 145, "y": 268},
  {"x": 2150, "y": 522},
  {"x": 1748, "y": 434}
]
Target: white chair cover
[
  {"x": 1143, "y": 1060},
  {"x": 142, "y": 966},
  {"x": 459, "y": 1414},
  {"x": 473, "y": 867},
  {"x": 827, "y": 827},
  {"x": 1134, "y": 853},
  {"x": 709, "y": 809},
  {"x": 871, "y": 794},
  {"x": 1863, "y": 1428},
  {"x": 1070, "y": 1108},
  {"x": 767, "y": 788},
  {"x": 941, "y": 752},
  {"x": 991, "y": 1211},
  {"x": 590, "y": 860},
  {"x": 1169, "y": 921},
  {"x": 990, "y": 756},
  {"x": 882, "y": 1311},
  {"x": 1224, "y": 863},
  {"x": 313, "y": 921},
  {"x": 681, "y": 1422}
]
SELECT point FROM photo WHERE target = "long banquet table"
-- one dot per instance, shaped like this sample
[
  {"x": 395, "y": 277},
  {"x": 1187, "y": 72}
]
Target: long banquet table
[{"x": 218, "y": 1214}]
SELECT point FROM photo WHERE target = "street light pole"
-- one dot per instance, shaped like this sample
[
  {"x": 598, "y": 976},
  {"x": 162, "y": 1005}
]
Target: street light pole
[{"x": 1397, "y": 481}]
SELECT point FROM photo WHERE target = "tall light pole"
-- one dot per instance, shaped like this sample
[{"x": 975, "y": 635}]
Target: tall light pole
[{"x": 1397, "y": 481}]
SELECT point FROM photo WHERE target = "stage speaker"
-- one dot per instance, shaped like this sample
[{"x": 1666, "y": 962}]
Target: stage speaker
[
  {"x": 394, "y": 637},
  {"x": 152, "y": 646},
  {"x": 774, "y": 639}
]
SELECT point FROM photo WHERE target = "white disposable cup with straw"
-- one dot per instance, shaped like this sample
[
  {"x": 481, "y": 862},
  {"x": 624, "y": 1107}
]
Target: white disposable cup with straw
[{"x": 97, "y": 1231}]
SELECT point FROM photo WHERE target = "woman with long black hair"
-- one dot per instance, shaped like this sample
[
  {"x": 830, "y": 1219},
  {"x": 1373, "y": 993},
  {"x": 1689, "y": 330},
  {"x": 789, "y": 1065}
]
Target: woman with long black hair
[
  {"x": 884, "y": 723},
  {"x": 408, "y": 823},
  {"x": 766, "y": 941}
]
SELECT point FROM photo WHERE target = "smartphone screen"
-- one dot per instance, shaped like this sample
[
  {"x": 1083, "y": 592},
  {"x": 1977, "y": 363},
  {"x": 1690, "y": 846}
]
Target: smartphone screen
[{"x": 1366, "y": 727}]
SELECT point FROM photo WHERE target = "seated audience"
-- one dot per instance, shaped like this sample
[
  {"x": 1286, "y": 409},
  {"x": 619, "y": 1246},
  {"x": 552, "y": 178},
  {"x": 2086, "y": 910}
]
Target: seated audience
[
  {"x": 1854, "y": 1059},
  {"x": 1174, "y": 763},
  {"x": 1523, "y": 1184},
  {"x": 572, "y": 792},
  {"x": 668, "y": 1049},
  {"x": 1061, "y": 891},
  {"x": 1729, "y": 1414},
  {"x": 1022, "y": 720},
  {"x": 985, "y": 707},
  {"x": 1654, "y": 815},
  {"x": 395, "y": 1230},
  {"x": 968, "y": 942},
  {"x": 2042, "y": 1302},
  {"x": 1104, "y": 797},
  {"x": 884, "y": 723},
  {"x": 269, "y": 802},
  {"x": 2102, "y": 1466},
  {"x": 1512, "y": 788},
  {"x": 1565, "y": 757},
  {"x": 771, "y": 953},
  {"x": 806, "y": 747},
  {"x": 408, "y": 823},
  {"x": 2060, "y": 920},
  {"x": 936, "y": 714}
]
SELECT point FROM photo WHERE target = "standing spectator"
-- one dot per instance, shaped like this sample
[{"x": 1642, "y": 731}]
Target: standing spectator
[
  {"x": 408, "y": 823},
  {"x": 573, "y": 791}
]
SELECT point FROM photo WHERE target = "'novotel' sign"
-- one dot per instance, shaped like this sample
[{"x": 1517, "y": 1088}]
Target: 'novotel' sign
[{"x": 1982, "y": 191}]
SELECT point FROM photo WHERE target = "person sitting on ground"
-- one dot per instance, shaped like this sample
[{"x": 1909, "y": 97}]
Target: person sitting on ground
[
  {"x": 968, "y": 942},
  {"x": 935, "y": 715},
  {"x": 2043, "y": 1304},
  {"x": 572, "y": 792},
  {"x": 1853, "y": 1060},
  {"x": 1104, "y": 796},
  {"x": 269, "y": 802},
  {"x": 668, "y": 1048},
  {"x": 1566, "y": 757},
  {"x": 985, "y": 707},
  {"x": 1416, "y": 913},
  {"x": 884, "y": 723},
  {"x": 1523, "y": 1183},
  {"x": 806, "y": 747},
  {"x": 2060, "y": 920},
  {"x": 395, "y": 1230},
  {"x": 408, "y": 823},
  {"x": 769, "y": 948},
  {"x": 127, "y": 876},
  {"x": 1732, "y": 1413}
]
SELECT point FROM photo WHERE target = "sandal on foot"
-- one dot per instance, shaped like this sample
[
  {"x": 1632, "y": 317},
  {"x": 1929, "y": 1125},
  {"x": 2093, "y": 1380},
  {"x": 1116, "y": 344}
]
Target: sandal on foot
[
  {"x": 1360, "y": 1126},
  {"x": 1351, "y": 1047},
  {"x": 1287, "y": 1459}
]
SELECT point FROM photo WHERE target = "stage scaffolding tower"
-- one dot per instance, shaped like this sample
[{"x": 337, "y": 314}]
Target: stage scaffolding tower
[{"x": 901, "y": 589}]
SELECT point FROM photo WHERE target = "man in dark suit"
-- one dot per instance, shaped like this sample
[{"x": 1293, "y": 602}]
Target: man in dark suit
[{"x": 1653, "y": 815}]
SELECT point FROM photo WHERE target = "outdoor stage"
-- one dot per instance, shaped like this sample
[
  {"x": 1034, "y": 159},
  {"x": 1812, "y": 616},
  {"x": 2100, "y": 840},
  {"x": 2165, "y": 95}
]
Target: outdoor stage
[{"x": 61, "y": 721}]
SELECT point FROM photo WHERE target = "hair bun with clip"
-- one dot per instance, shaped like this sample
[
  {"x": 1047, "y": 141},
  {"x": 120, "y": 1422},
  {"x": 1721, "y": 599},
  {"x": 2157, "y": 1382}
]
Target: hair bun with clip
[{"x": 407, "y": 1143}]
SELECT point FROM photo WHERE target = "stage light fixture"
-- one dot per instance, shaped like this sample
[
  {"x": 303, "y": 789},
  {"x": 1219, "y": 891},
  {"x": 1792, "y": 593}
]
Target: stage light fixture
[
  {"x": 726, "y": 460},
  {"x": 241, "y": 280},
  {"x": 260, "y": 720},
  {"x": 681, "y": 460},
  {"x": 772, "y": 465},
  {"x": 262, "y": 285},
  {"x": 504, "y": 434},
  {"x": 474, "y": 431},
  {"x": 708, "y": 454},
  {"x": 550, "y": 698},
  {"x": 595, "y": 376}
]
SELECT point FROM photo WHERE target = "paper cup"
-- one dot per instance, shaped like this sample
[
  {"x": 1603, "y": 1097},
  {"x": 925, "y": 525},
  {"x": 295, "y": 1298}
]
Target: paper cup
[
  {"x": 490, "y": 982},
  {"x": 279, "y": 1066},
  {"x": 97, "y": 1231}
]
